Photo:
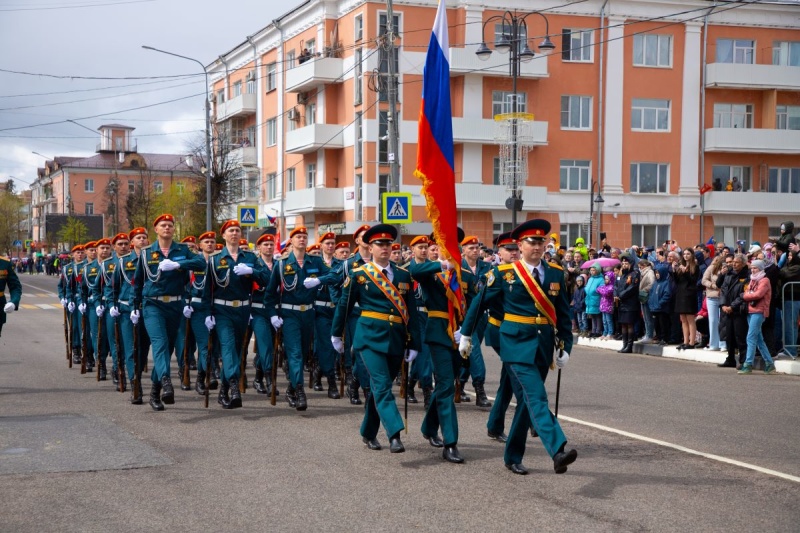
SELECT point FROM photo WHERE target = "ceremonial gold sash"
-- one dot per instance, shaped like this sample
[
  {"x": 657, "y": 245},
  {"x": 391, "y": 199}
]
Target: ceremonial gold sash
[
  {"x": 540, "y": 299},
  {"x": 386, "y": 287}
]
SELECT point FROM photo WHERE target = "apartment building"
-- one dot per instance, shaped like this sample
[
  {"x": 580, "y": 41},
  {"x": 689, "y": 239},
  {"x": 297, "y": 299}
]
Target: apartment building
[{"x": 643, "y": 101}]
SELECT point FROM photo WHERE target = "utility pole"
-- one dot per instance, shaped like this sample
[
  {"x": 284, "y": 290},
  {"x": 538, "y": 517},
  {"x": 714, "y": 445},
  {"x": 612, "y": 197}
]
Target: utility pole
[{"x": 392, "y": 115}]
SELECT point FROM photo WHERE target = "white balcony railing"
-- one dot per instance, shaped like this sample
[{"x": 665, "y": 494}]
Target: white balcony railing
[
  {"x": 752, "y": 140},
  {"x": 464, "y": 61},
  {"x": 484, "y": 131},
  {"x": 738, "y": 76},
  {"x": 314, "y": 200},
  {"x": 243, "y": 157},
  {"x": 315, "y": 72},
  {"x": 311, "y": 138},
  {"x": 751, "y": 203},
  {"x": 242, "y": 105}
]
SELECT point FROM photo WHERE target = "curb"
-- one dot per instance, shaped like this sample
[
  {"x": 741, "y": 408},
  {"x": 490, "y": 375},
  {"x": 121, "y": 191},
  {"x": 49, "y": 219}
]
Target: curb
[{"x": 782, "y": 366}]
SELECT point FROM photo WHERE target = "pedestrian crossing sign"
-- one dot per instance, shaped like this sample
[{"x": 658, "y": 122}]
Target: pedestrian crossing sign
[
  {"x": 248, "y": 215},
  {"x": 396, "y": 208}
]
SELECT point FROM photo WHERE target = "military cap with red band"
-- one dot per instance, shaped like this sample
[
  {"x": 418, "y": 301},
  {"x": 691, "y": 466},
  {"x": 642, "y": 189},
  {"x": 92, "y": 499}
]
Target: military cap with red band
[
  {"x": 534, "y": 229},
  {"x": 207, "y": 235},
  {"x": 189, "y": 239},
  {"x": 298, "y": 231},
  {"x": 120, "y": 236},
  {"x": 165, "y": 217},
  {"x": 233, "y": 223},
  {"x": 380, "y": 233},
  {"x": 505, "y": 240},
  {"x": 267, "y": 237},
  {"x": 137, "y": 231}
]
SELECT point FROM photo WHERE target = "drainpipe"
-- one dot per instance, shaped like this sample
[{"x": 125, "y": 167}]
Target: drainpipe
[
  {"x": 227, "y": 73},
  {"x": 703, "y": 122},
  {"x": 257, "y": 140},
  {"x": 279, "y": 127},
  {"x": 600, "y": 119}
]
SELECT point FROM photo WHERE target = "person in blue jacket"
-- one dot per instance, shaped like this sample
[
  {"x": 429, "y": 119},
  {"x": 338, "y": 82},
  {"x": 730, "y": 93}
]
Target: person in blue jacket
[{"x": 659, "y": 301}]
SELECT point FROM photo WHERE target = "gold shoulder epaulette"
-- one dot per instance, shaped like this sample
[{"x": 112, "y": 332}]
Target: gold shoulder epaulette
[
  {"x": 554, "y": 265},
  {"x": 358, "y": 269},
  {"x": 403, "y": 268},
  {"x": 505, "y": 267},
  {"x": 4, "y": 258}
]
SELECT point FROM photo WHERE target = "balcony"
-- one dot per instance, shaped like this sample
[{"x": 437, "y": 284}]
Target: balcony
[
  {"x": 245, "y": 156},
  {"x": 486, "y": 197},
  {"x": 314, "y": 200},
  {"x": 315, "y": 72},
  {"x": 760, "y": 77},
  {"x": 751, "y": 203},
  {"x": 484, "y": 130},
  {"x": 464, "y": 61},
  {"x": 754, "y": 141},
  {"x": 238, "y": 106},
  {"x": 311, "y": 138}
]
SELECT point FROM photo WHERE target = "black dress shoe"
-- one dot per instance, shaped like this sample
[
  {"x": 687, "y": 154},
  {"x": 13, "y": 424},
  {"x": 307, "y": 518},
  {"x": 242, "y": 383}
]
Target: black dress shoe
[
  {"x": 518, "y": 469},
  {"x": 500, "y": 437},
  {"x": 727, "y": 364},
  {"x": 563, "y": 459},
  {"x": 291, "y": 399},
  {"x": 167, "y": 392},
  {"x": 451, "y": 455},
  {"x": 193, "y": 366},
  {"x": 435, "y": 441},
  {"x": 236, "y": 396},
  {"x": 155, "y": 397},
  {"x": 302, "y": 402},
  {"x": 395, "y": 445},
  {"x": 372, "y": 444}
]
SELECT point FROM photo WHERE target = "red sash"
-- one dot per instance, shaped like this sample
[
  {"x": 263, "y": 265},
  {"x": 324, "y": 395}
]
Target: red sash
[
  {"x": 386, "y": 287},
  {"x": 540, "y": 299}
]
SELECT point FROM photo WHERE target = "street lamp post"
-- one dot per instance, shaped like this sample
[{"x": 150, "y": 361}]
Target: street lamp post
[
  {"x": 208, "y": 131},
  {"x": 516, "y": 24},
  {"x": 594, "y": 200}
]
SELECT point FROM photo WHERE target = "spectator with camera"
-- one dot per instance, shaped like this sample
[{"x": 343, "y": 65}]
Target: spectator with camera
[{"x": 731, "y": 282}]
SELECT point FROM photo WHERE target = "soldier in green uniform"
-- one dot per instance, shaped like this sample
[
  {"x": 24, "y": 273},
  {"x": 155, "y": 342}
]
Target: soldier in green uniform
[
  {"x": 80, "y": 300},
  {"x": 422, "y": 369},
  {"x": 8, "y": 278},
  {"x": 386, "y": 329},
  {"x": 198, "y": 279},
  {"x": 536, "y": 320},
  {"x": 324, "y": 304},
  {"x": 111, "y": 285},
  {"x": 471, "y": 263},
  {"x": 67, "y": 288},
  {"x": 92, "y": 300},
  {"x": 191, "y": 243},
  {"x": 262, "y": 329}
]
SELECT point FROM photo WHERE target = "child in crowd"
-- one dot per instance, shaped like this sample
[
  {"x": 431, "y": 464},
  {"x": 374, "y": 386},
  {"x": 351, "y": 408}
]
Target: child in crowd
[
  {"x": 578, "y": 306},
  {"x": 607, "y": 305}
]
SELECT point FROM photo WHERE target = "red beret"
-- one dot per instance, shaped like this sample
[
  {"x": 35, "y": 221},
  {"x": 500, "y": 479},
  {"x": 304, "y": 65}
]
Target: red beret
[
  {"x": 396, "y": 246},
  {"x": 218, "y": 246},
  {"x": 313, "y": 248},
  {"x": 233, "y": 223},
  {"x": 421, "y": 239},
  {"x": 189, "y": 238},
  {"x": 327, "y": 236},
  {"x": 90, "y": 244},
  {"x": 298, "y": 231},
  {"x": 207, "y": 235},
  {"x": 471, "y": 239},
  {"x": 77, "y": 248},
  {"x": 167, "y": 217},
  {"x": 360, "y": 230},
  {"x": 243, "y": 242},
  {"x": 105, "y": 241},
  {"x": 137, "y": 231},
  {"x": 343, "y": 244},
  {"x": 266, "y": 237},
  {"x": 118, "y": 236}
]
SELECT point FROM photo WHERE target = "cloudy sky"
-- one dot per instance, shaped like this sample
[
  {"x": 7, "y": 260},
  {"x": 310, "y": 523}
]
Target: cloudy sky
[{"x": 50, "y": 45}]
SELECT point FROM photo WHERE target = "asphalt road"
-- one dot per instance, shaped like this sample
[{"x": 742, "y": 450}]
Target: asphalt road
[{"x": 76, "y": 456}]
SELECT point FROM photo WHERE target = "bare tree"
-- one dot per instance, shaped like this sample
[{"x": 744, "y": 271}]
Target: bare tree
[{"x": 140, "y": 204}]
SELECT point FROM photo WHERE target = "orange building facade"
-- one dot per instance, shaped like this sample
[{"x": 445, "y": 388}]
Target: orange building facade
[{"x": 641, "y": 103}]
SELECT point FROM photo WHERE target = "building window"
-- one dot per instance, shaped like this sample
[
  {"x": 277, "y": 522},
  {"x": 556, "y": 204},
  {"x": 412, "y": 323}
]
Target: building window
[
  {"x": 272, "y": 76},
  {"x": 290, "y": 179},
  {"x": 88, "y": 185},
  {"x": 784, "y": 180},
  {"x": 359, "y": 71},
  {"x": 498, "y": 228},
  {"x": 221, "y": 96},
  {"x": 741, "y": 51},
  {"x": 576, "y": 112},
  {"x": 650, "y": 115},
  {"x": 131, "y": 187},
  {"x": 571, "y": 232},
  {"x": 649, "y": 178},
  {"x": 311, "y": 46},
  {"x": 503, "y": 102},
  {"x": 786, "y": 53},
  {"x": 359, "y": 27},
  {"x": 358, "y": 149},
  {"x": 787, "y": 117},
  {"x": 357, "y": 192},
  {"x": 311, "y": 174},
  {"x": 272, "y": 179},
  {"x": 272, "y": 131},
  {"x": 382, "y": 23},
  {"x": 236, "y": 130},
  {"x": 253, "y": 188},
  {"x": 290, "y": 55},
  {"x": 237, "y": 89},
  {"x": 738, "y": 176},
  {"x": 733, "y": 116},
  {"x": 158, "y": 187},
  {"x": 497, "y": 175},
  {"x": 732, "y": 234},
  {"x": 652, "y": 50},
  {"x": 383, "y": 140},
  {"x": 575, "y": 174},
  {"x": 251, "y": 86},
  {"x": 649, "y": 234},
  {"x": 576, "y": 45},
  {"x": 311, "y": 114},
  {"x": 89, "y": 208},
  {"x": 383, "y": 187},
  {"x": 503, "y": 31},
  {"x": 180, "y": 187}
]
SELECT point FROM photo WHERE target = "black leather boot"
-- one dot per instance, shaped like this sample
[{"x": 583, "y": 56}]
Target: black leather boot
[
  {"x": 627, "y": 339},
  {"x": 180, "y": 378},
  {"x": 464, "y": 396},
  {"x": 114, "y": 376},
  {"x": 76, "y": 356},
  {"x": 200, "y": 383},
  {"x": 318, "y": 379},
  {"x": 235, "y": 396},
  {"x": 333, "y": 390},
  {"x": 136, "y": 393},
  {"x": 268, "y": 385},
  {"x": 291, "y": 396},
  {"x": 352, "y": 392},
  {"x": 155, "y": 397},
  {"x": 167, "y": 392},
  {"x": 103, "y": 373},
  {"x": 302, "y": 402},
  {"x": 426, "y": 396},
  {"x": 212, "y": 382},
  {"x": 367, "y": 394},
  {"x": 410, "y": 391},
  {"x": 480, "y": 395},
  {"x": 223, "y": 398},
  {"x": 258, "y": 382}
]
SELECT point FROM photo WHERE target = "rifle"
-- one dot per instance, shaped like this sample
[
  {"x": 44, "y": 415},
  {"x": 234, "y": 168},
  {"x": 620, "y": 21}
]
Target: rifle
[
  {"x": 248, "y": 334},
  {"x": 84, "y": 345},
  {"x": 136, "y": 355},
  {"x": 210, "y": 344},
  {"x": 99, "y": 342},
  {"x": 185, "y": 379},
  {"x": 277, "y": 352},
  {"x": 66, "y": 339},
  {"x": 558, "y": 381},
  {"x": 120, "y": 356}
]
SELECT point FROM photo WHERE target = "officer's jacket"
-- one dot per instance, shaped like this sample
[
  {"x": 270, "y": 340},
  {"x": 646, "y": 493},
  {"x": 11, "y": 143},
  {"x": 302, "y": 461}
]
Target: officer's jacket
[
  {"x": 331, "y": 292},
  {"x": 151, "y": 282},
  {"x": 260, "y": 289},
  {"x": 388, "y": 336},
  {"x": 67, "y": 282},
  {"x": 110, "y": 282},
  {"x": 92, "y": 283},
  {"x": 8, "y": 278},
  {"x": 524, "y": 342},
  {"x": 222, "y": 283},
  {"x": 124, "y": 275},
  {"x": 286, "y": 283}
]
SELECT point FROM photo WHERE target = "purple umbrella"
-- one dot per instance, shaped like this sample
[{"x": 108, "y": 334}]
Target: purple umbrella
[{"x": 604, "y": 262}]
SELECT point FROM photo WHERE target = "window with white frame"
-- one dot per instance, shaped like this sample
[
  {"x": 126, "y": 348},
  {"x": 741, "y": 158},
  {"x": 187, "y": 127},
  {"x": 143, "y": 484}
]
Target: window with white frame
[
  {"x": 733, "y": 234},
  {"x": 739, "y": 177},
  {"x": 290, "y": 56},
  {"x": 498, "y": 228},
  {"x": 496, "y": 172},
  {"x": 358, "y": 149},
  {"x": 311, "y": 114},
  {"x": 89, "y": 208},
  {"x": 221, "y": 96},
  {"x": 253, "y": 186},
  {"x": 237, "y": 89},
  {"x": 503, "y": 102},
  {"x": 649, "y": 234},
  {"x": 131, "y": 187},
  {"x": 652, "y": 50},
  {"x": 575, "y": 174},
  {"x": 311, "y": 174},
  {"x": 649, "y": 178},
  {"x": 576, "y": 45},
  {"x": 504, "y": 32},
  {"x": 650, "y": 115},
  {"x": 291, "y": 124},
  {"x": 272, "y": 185},
  {"x": 787, "y": 117},
  {"x": 358, "y": 56},
  {"x": 180, "y": 187},
  {"x": 158, "y": 187},
  {"x": 272, "y": 76},
  {"x": 88, "y": 185},
  {"x": 358, "y": 25},
  {"x": 733, "y": 116},
  {"x": 576, "y": 112},
  {"x": 272, "y": 131},
  {"x": 784, "y": 180},
  {"x": 311, "y": 46},
  {"x": 290, "y": 179},
  {"x": 786, "y": 53},
  {"x": 251, "y": 86},
  {"x": 570, "y": 232},
  {"x": 741, "y": 51}
]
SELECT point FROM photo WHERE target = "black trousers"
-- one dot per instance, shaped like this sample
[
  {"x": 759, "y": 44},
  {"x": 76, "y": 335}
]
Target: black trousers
[{"x": 737, "y": 337}]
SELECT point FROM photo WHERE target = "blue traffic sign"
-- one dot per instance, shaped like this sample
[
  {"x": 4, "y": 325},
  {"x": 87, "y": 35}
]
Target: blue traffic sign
[
  {"x": 248, "y": 215},
  {"x": 17, "y": 244},
  {"x": 397, "y": 208}
]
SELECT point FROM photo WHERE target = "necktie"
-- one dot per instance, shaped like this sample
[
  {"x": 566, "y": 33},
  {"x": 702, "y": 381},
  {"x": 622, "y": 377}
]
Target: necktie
[
  {"x": 536, "y": 276},
  {"x": 386, "y": 273}
]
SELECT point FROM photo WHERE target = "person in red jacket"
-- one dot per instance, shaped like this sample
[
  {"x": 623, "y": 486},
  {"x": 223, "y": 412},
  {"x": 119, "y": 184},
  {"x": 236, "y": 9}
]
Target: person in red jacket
[{"x": 758, "y": 295}]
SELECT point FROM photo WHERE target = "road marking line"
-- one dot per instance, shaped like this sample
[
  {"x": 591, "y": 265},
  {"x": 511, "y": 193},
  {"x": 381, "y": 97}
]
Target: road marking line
[
  {"x": 44, "y": 306},
  {"x": 677, "y": 447},
  {"x": 28, "y": 306},
  {"x": 39, "y": 290}
]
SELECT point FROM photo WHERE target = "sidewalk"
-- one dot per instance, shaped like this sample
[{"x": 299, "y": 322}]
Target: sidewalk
[{"x": 782, "y": 365}]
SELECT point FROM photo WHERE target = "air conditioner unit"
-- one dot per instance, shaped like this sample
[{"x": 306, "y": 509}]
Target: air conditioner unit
[
  {"x": 251, "y": 76},
  {"x": 293, "y": 114},
  {"x": 302, "y": 98}
]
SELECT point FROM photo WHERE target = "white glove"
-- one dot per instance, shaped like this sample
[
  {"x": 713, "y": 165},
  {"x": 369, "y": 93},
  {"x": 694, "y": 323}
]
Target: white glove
[
  {"x": 465, "y": 346},
  {"x": 100, "y": 310},
  {"x": 187, "y": 311},
  {"x": 250, "y": 320},
  {"x": 114, "y": 312},
  {"x": 310, "y": 283},
  {"x": 168, "y": 264},
  {"x": 134, "y": 317},
  {"x": 338, "y": 344},
  {"x": 71, "y": 307},
  {"x": 457, "y": 336},
  {"x": 561, "y": 362},
  {"x": 242, "y": 270},
  {"x": 82, "y": 308},
  {"x": 412, "y": 354},
  {"x": 9, "y": 308},
  {"x": 445, "y": 264},
  {"x": 277, "y": 322},
  {"x": 64, "y": 302},
  {"x": 210, "y": 322}
]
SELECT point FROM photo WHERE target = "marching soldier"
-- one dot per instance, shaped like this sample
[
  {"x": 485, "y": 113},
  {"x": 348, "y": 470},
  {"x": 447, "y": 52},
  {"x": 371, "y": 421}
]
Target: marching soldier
[
  {"x": 262, "y": 329},
  {"x": 422, "y": 369},
  {"x": 342, "y": 250},
  {"x": 67, "y": 288},
  {"x": 324, "y": 304},
  {"x": 397, "y": 253},
  {"x": 470, "y": 262},
  {"x": 80, "y": 300},
  {"x": 289, "y": 301},
  {"x": 536, "y": 319},
  {"x": 228, "y": 292},
  {"x": 386, "y": 328},
  {"x": 191, "y": 243},
  {"x": 159, "y": 288},
  {"x": 92, "y": 301},
  {"x": 122, "y": 247},
  {"x": 8, "y": 278},
  {"x": 198, "y": 312}
]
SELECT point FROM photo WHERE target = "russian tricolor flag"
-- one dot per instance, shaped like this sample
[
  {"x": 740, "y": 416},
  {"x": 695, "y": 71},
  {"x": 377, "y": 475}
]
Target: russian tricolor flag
[{"x": 435, "y": 152}]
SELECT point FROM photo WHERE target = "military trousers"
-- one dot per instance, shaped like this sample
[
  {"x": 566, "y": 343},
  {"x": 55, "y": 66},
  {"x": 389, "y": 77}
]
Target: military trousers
[
  {"x": 532, "y": 411},
  {"x": 99, "y": 342},
  {"x": 230, "y": 329},
  {"x": 162, "y": 321},
  {"x": 352, "y": 359},
  {"x": 179, "y": 343},
  {"x": 298, "y": 327},
  {"x": 442, "y": 410},
  {"x": 262, "y": 329},
  {"x": 129, "y": 349},
  {"x": 477, "y": 367},
  {"x": 200, "y": 334},
  {"x": 75, "y": 325},
  {"x": 380, "y": 406},
  {"x": 422, "y": 367},
  {"x": 326, "y": 355},
  {"x": 497, "y": 416},
  {"x": 109, "y": 333}
]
